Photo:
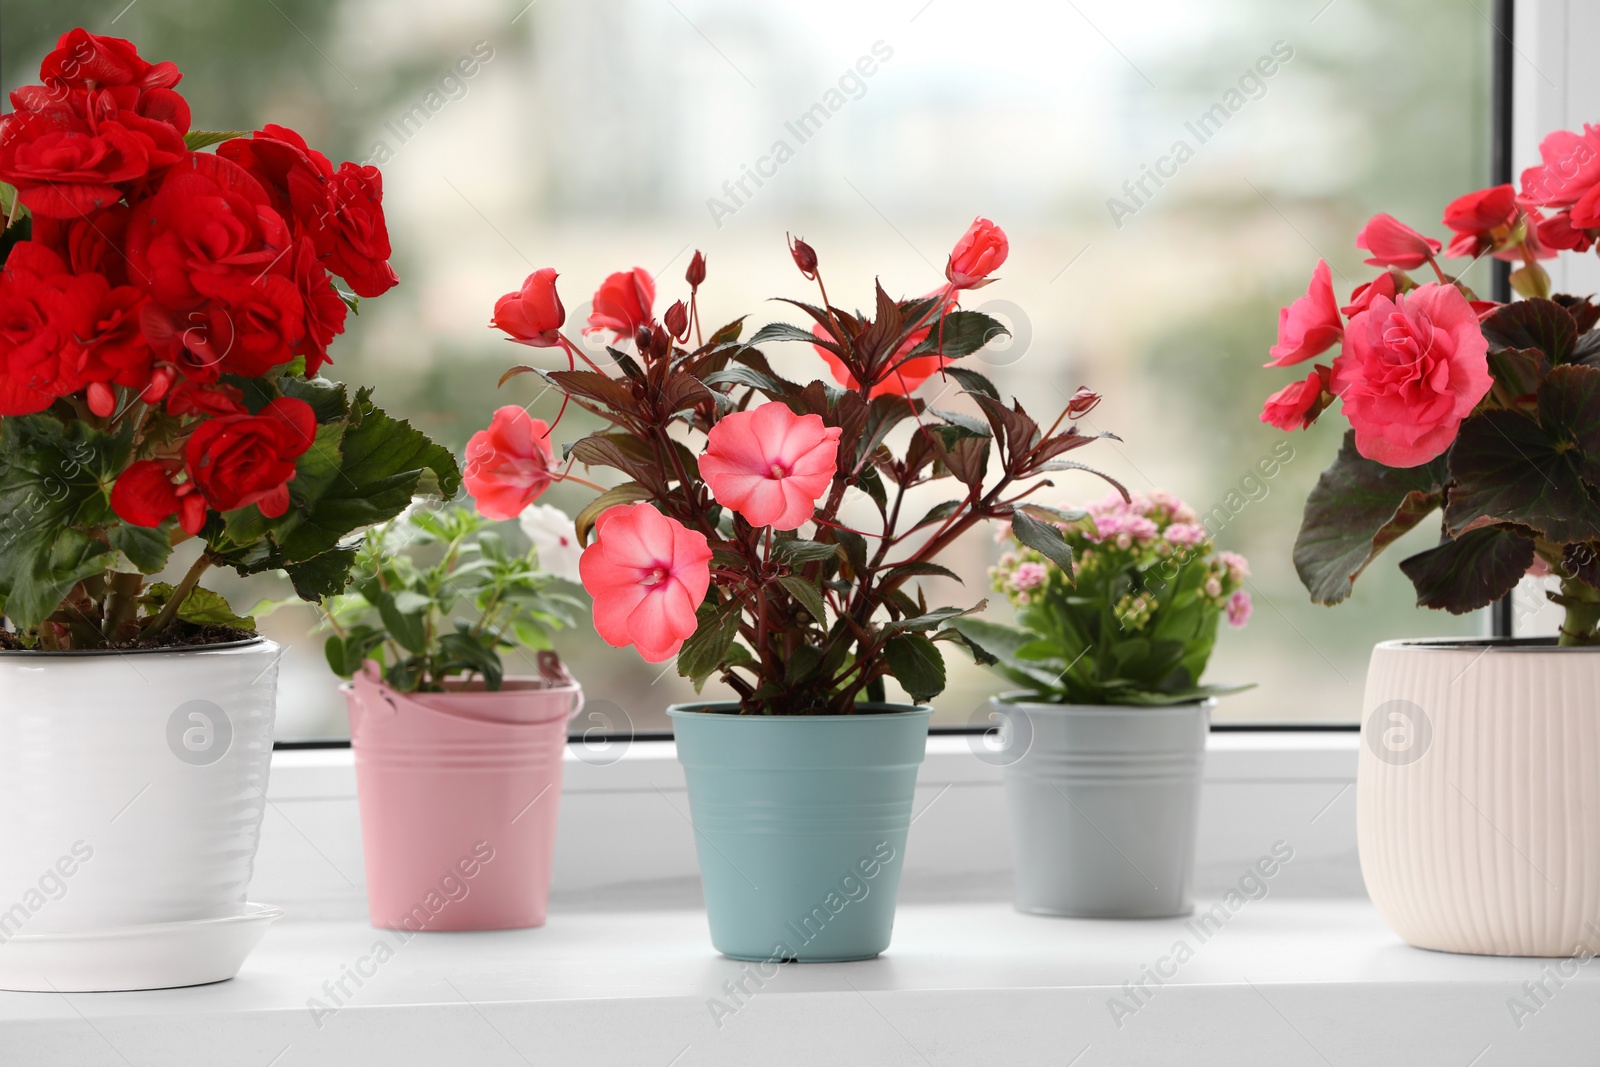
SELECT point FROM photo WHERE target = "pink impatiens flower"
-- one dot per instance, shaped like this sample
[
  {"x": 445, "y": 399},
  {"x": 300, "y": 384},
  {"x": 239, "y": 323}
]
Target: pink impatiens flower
[
  {"x": 647, "y": 574},
  {"x": 1311, "y": 325},
  {"x": 510, "y": 464},
  {"x": 770, "y": 465},
  {"x": 622, "y": 303},
  {"x": 979, "y": 253}
]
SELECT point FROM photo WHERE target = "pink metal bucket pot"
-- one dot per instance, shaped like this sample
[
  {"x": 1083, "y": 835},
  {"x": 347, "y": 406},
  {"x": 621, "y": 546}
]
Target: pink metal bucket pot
[{"x": 459, "y": 793}]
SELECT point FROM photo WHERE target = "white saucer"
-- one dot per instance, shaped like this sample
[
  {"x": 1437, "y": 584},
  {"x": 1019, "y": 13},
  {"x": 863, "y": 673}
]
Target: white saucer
[{"x": 153, "y": 956}]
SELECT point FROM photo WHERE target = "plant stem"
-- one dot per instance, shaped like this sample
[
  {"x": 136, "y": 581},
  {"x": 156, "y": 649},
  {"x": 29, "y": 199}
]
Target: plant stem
[
  {"x": 1582, "y": 623},
  {"x": 169, "y": 611}
]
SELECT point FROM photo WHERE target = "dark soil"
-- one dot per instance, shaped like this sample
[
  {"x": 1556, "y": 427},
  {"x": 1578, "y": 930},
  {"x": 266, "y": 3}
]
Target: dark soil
[{"x": 178, "y": 634}]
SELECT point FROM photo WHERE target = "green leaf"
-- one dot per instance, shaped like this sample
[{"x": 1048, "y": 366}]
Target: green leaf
[
  {"x": 1470, "y": 572},
  {"x": 328, "y": 399},
  {"x": 809, "y": 594},
  {"x": 462, "y": 653},
  {"x": 322, "y": 576},
  {"x": 408, "y": 629},
  {"x": 201, "y": 607},
  {"x": 1043, "y": 537},
  {"x": 346, "y": 653},
  {"x": 915, "y": 662},
  {"x": 198, "y": 139},
  {"x": 1544, "y": 474},
  {"x": 626, "y": 493},
  {"x": 55, "y": 483},
  {"x": 358, "y": 473},
  {"x": 1358, "y": 508},
  {"x": 146, "y": 547},
  {"x": 795, "y": 551},
  {"x": 708, "y": 647}
]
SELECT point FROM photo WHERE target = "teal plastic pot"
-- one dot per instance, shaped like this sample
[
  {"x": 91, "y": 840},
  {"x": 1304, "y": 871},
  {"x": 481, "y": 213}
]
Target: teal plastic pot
[{"x": 800, "y": 822}]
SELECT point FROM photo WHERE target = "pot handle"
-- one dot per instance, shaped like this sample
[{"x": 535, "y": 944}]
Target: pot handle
[{"x": 553, "y": 671}]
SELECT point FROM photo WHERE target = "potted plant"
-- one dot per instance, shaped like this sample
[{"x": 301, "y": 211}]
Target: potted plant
[
  {"x": 1104, "y": 745},
  {"x": 1475, "y": 801},
  {"x": 458, "y": 766},
  {"x": 165, "y": 313},
  {"x": 729, "y": 546}
]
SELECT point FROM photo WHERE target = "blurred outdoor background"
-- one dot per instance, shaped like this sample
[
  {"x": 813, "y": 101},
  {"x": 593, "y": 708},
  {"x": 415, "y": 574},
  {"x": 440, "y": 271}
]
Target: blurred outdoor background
[{"x": 593, "y": 134}]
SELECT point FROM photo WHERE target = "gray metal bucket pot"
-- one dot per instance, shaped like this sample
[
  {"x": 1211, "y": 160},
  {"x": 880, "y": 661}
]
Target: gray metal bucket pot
[{"x": 1105, "y": 804}]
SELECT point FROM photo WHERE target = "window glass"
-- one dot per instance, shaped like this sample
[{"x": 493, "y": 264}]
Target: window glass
[{"x": 596, "y": 135}]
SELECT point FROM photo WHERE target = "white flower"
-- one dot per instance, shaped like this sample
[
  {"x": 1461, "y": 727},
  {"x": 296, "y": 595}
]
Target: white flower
[{"x": 551, "y": 531}]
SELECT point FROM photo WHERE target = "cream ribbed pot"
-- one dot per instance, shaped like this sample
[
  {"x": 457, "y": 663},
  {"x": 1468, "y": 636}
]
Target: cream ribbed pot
[{"x": 1478, "y": 795}]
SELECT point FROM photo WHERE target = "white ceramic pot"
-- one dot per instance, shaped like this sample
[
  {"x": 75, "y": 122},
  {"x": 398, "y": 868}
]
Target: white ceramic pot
[
  {"x": 1478, "y": 798},
  {"x": 132, "y": 788}
]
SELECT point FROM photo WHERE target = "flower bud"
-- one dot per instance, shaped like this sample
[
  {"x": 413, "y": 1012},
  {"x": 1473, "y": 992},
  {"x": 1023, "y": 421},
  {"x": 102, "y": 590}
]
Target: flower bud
[
  {"x": 805, "y": 257},
  {"x": 677, "y": 320},
  {"x": 696, "y": 274},
  {"x": 1082, "y": 402}
]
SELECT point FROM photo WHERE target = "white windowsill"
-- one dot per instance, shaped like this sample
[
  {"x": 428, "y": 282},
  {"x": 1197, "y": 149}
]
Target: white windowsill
[
  {"x": 1283, "y": 981},
  {"x": 624, "y": 970}
]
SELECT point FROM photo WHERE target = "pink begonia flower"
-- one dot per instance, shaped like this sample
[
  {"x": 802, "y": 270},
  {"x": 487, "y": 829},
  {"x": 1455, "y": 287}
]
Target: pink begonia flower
[
  {"x": 510, "y": 464},
  {"x": 1311, "y": 325},
  {"x": 1365, "y": 293},
  {"x": 1239, "y": 608},
  {"x": 1569, "y": 172},
  {"x": 622, "y": 303},
  {"x": 647, "y": 574},
  {"x": 1297, "y": 405},
  {"x": 770, "y": 465},
  {"x": 1394, "y": 244},
  {"x": 1028, "y": 576},
  {"x": 979, "y": 253},
  {"x": 1413, "y": 368}
]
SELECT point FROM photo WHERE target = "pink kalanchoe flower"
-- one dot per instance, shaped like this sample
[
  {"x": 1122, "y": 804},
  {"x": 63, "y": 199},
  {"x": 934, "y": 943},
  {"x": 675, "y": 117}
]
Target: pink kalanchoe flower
[
  {"x": 648, "y": 574},
  {"x": 979, "y": 253},
  {"x": 1184, "y": 534},
  {"x": 1028, "y": 576},
  {"x": 1238, "y": 566},
  {"x": 770, "y": 465},
  {"x": 1394, "y": 244},
  {"x": 1311, "y": 325},
  {"x": 532, "y": 315},
  {"x": 1239, "y": 608},
  {"x": 623, "y": 303},
  {"x": 510, "y": 464},
  {"x": 1413, "y": 368}
]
